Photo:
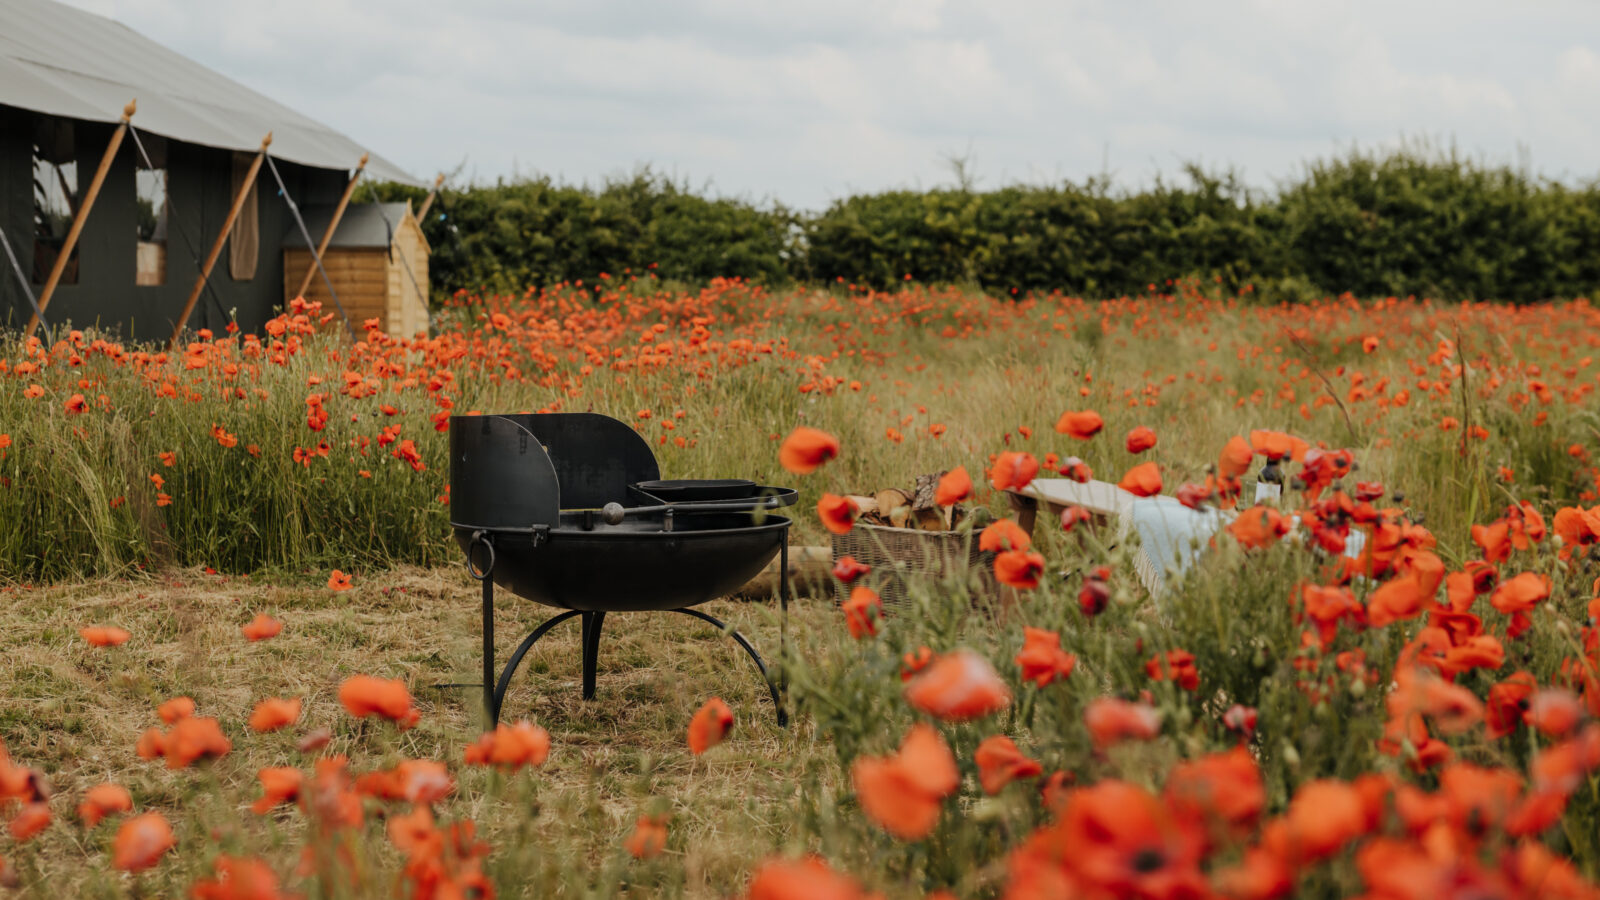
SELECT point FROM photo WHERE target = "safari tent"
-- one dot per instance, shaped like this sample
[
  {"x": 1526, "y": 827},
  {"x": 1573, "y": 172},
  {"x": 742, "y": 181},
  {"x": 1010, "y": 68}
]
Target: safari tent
[{"x": 155, "y": 189}]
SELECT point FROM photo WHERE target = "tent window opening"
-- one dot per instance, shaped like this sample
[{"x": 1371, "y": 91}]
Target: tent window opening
[
  {"x": 244, "y": 244},
  {"x": 55, "y": 199},
  {"x": 150, "y": 187}
]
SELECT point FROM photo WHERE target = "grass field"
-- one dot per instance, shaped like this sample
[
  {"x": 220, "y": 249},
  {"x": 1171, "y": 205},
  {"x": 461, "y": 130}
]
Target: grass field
[
  {"x": 76, "y": 712},
  {"x": 1418, "y": 721}
]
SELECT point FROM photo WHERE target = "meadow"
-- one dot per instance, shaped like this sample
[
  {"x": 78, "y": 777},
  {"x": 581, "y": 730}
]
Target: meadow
[{"x": 1416, "y": 722}]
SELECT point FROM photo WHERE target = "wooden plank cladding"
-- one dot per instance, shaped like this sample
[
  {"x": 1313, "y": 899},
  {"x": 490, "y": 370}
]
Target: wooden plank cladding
[{"x": 366, "y": 260}]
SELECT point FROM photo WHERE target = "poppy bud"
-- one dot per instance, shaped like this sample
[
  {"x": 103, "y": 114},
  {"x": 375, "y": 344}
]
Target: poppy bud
[{"x": 1093, "y": 597}]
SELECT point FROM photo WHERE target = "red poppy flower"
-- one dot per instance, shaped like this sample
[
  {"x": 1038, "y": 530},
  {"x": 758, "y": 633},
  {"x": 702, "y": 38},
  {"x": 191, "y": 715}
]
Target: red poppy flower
[
  {"x": 1259, "y": 875},
  {"x": 1453, "y": 708},
  {"x": 1140, "y": 439},
  {"x": 710, "y": 724},
  {"x": 278, "y": 786},
  {"x": 1323, "y": 817},
  {"x": 274, "y": 713},
  {"x": 238, "y": 878},
  {"x": 1236, "y": 456},
  {"x": 1554, "y": 712},
  {"x": 1240, "y": 718},
  {"x": 1177, "y": 666},
  {"x": 1000, "y": 763},
  {"x": 1223, "y": 790},
  {"x": 510, "y": 747},
  {"x": 1275, "y": 445},
  {"x": 1003, "y": 534},
  {"x": 103, "y": 800},
  {"x": 262, "y": 627},
  {"x": 32, "y": 819},
  {"x": 805, "y": 879},
  {"x": 1072, "y": 515},
  {"x": 838, "y": 514},
  {"x": 175, "y": 709},
  {"x": 1494, "y": 539},
  {"x": 1095, "y": 593},
  {"x": 338, "y": 581},
  {"x": 904, "y": 793},
  {"x": 1258, "y": 527},
  {"x": 1143, "y": 480},
  {"x": 915, "y": 661},
  {"x": 1041, "y": 659},
  {"x": 104, "y": 635},
  {"x": 1081, "y": 425},
  {"x": 862, "y": 611},
  {"x": 1520, "y": 594},
  {"x": 848, "y": 570},
  {"x": 1397, "y": 600},
  {"x": 958, "y": 686},
  {"x": 807, "y": 448},
  {"x": 1018, "y": 569},
  {"x": 1111, "y": 721},
  {"x": 1508, "y": 701},
  {"x": 648, "y": 839},
  {"x": 193, "y": 739},
  {"x": 1013, "y": 471},
  {"x": 954, "y": 487},
  {"x": 1578, "y": 528},
  {"x": 1563, "y": 767},
  {"x": 75, "y": 404},
  {"x": 1075, "y": 469},
  {"x": 364, "y": 695},
  {"x": 141, "y": 841},
  {"x": 1126, "y": 842}
]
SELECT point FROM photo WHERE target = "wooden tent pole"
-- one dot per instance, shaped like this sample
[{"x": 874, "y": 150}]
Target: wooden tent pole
[
  {"x": 222, "y": 238},
  {"x": 427, "y": 202},
  {"x": 83, "y": 213},
  {"x": 333, "y": 224}
]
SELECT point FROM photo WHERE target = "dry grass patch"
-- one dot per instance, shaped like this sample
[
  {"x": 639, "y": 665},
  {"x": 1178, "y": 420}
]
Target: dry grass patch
[{"x": 76, "y": 712}]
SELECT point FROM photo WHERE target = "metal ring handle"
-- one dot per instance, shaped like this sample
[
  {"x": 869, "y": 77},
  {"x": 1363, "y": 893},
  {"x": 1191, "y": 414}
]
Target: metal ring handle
[{"x": 480, "y": 539}]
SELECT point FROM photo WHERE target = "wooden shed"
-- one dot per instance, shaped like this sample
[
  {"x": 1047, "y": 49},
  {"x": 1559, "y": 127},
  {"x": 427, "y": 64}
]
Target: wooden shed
[{"x": 377, "y": 261}]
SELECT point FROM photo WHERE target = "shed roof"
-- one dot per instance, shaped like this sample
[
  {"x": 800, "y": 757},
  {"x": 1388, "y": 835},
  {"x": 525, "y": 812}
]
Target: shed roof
[
  {"x": 63, "y": 61},
  {"x": 363, "y": 225}
]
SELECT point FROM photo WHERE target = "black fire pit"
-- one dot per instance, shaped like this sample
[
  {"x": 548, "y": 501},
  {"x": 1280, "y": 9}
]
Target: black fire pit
[{"x": 568, "y": 510}]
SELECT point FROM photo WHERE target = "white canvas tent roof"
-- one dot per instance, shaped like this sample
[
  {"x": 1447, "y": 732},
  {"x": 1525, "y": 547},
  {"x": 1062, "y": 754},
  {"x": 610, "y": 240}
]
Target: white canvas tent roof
[{"x": 66, "y": 62}]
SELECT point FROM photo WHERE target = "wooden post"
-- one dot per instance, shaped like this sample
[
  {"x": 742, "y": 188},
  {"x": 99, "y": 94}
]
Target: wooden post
[
  {"x": 333, "y": 224},
  {"x": 222, "y": 238},
  {"x": 82, "y": 214},
  {"x": 427, "y": 203}
]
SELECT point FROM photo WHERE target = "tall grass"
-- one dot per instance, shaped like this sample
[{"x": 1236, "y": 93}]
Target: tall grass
[{"x": 742, "y": 367}]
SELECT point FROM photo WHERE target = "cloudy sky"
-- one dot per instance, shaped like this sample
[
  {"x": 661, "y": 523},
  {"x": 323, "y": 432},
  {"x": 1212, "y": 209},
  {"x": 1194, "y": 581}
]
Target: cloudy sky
[{"x": 805, "y": 101}]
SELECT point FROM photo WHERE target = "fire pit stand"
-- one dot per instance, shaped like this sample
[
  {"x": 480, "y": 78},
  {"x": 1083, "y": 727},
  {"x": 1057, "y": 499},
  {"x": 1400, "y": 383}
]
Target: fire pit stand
[{"x": 559, "y": 509}]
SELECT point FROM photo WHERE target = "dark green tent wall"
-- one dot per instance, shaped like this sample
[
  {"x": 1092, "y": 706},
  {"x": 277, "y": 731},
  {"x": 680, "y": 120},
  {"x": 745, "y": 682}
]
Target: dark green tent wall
[{"x": 200, "y": 191}]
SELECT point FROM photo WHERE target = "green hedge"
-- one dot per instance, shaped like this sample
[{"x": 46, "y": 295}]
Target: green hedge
[{"x": 1412, "y": 221}]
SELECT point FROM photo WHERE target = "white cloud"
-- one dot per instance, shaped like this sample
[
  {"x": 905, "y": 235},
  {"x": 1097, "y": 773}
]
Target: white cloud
[{"x": 810, "y": 101}]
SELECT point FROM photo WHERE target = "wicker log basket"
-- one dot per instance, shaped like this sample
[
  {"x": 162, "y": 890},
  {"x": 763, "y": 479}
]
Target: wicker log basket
[{"x": 899, "y": 555}]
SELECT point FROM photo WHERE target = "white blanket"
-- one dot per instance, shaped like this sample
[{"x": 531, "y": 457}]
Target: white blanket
[{"x": 1171, "y": 535}]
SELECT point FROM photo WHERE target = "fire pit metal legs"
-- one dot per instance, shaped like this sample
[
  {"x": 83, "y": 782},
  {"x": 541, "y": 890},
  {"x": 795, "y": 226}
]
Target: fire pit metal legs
[
  {"x": 494, "y": 689},
  {"x": 494, "y": 693},
  {"x": 591, "y": 650}
]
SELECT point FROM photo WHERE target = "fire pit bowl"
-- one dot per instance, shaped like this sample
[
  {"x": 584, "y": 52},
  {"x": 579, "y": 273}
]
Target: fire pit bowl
[{"x": 568, "y": 510}]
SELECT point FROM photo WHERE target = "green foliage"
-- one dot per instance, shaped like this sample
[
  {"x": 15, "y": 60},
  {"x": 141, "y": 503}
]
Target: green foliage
[
  {"x": 535, "y": 231},
  {"x": 1415, "y": 221}
]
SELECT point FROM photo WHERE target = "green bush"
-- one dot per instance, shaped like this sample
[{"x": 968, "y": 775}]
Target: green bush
[
  {"x": 1410, "y": 222},
  {"x": 510, "y": 235}
]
